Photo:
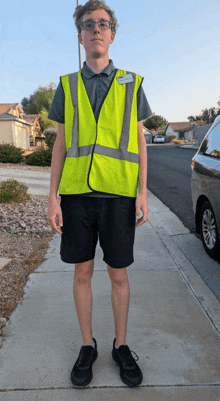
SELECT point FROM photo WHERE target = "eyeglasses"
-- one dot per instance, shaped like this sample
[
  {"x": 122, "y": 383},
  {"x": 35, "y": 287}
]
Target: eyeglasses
[{"x": 89, "y": 25}]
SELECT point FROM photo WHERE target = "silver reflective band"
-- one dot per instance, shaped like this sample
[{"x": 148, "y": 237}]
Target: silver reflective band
[
  {"x": 121, "y": 153},
  {"x": 105, "y": 151}
]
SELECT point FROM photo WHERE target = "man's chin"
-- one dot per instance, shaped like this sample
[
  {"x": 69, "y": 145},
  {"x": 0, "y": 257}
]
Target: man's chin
[{"x": 96, "y": 55}]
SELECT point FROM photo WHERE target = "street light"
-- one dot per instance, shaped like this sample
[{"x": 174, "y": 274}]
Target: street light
[{"x": 80, "y": 56}]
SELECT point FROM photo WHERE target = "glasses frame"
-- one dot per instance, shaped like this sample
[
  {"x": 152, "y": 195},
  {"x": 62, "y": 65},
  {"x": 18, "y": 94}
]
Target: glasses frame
[{"x": 82, "y": 24}]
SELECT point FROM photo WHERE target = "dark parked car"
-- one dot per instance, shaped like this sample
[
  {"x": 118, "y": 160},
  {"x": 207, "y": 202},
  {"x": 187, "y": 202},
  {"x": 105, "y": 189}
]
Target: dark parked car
[{"x": 205, "y": 186}]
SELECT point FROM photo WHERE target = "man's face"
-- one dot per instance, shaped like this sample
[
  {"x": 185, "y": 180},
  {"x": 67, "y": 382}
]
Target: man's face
[{"x": 97, "y": 41}]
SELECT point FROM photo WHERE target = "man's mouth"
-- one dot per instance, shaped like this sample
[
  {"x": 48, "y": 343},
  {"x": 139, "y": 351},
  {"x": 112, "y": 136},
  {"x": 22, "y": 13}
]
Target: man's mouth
[{"x": 97, "y": 39}]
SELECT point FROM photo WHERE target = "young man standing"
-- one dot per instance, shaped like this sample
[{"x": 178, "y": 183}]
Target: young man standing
[{"x": 98, "y": 159}]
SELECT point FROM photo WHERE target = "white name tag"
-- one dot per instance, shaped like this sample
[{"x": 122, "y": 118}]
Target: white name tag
[{"x": 124, "y": 79}]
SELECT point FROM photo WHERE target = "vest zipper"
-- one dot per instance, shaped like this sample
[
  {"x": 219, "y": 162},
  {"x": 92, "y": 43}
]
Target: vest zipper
[
  {"x": 97, "y": 134},
  {"x": 92, "y": 159}
]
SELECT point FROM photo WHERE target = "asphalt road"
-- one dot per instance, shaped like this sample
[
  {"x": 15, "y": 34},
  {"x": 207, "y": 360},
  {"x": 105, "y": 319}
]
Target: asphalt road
[{"x": 169, "y": 178}]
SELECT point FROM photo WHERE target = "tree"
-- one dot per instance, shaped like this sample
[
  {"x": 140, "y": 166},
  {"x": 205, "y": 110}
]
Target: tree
[
  {"x": 40, "y": 100},
  {"x": 207, "y": 116},
  {"x": 45, "y": 122},
  {"x": 154, "y": 122},
  {"x": 39, "y": 103}
]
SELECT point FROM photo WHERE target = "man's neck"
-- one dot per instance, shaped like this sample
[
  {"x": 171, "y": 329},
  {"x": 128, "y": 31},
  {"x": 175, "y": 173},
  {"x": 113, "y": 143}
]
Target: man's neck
[{"x": 97, "y": 65}]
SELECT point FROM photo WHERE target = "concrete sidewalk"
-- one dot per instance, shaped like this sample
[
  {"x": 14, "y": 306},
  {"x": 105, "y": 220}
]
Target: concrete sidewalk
[{"x": 173, "y": 325}]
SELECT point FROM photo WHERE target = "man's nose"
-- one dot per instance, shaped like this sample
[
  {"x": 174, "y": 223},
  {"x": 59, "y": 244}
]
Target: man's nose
[{"x": 96, "y": 28}]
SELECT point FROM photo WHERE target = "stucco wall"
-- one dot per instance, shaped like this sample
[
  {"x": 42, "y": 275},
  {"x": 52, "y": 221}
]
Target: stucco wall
[
  {"x": 170, "y": 131},
  {"x": 190, "y": 135},
  {"x": 21, "y": 136},
  {"x": 6, "y": 132},
  {"x": 14, "y": 133}
]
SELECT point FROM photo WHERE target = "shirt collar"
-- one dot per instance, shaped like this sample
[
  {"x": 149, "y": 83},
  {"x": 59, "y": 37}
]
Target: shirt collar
[{"x": 88, "y": 73}]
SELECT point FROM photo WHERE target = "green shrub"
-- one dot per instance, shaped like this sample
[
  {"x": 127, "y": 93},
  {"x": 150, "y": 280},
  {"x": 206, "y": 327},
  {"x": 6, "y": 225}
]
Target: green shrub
[
  {"x": 13, "y": 191},
  {"x": 10, "y": 154},
  {"x": 178, "y": 142},
  {"x": 50, "y": 137},
  {"x": 40, "y": 158},
  {"x": 171, "y": 138}
]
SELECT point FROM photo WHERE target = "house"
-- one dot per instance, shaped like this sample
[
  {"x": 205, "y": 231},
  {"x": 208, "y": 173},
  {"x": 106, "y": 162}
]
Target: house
[
  {"x": 200, "y": 133},
  {"x": 18, "y": 128},
  {"x": 184, "y": 130},
  {"x": 13, "y": 128},
  {"x": 148, "y": 135},
  {"x": 35, "y": 129}
]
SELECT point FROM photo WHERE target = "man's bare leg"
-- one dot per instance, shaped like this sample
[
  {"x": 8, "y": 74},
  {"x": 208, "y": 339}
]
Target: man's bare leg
[
  {"x": 120, "y": 302},
  {"x": 82, "y": 292}
]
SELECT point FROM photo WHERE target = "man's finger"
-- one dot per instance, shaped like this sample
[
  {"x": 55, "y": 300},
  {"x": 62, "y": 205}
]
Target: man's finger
[
  {"x": 60, "y": 220},
  {"x": 137, "y": 212}
]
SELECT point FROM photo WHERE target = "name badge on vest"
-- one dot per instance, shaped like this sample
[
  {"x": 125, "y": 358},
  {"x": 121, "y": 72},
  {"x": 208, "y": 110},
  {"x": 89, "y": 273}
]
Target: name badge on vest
[{"x": 125, "y": 79}]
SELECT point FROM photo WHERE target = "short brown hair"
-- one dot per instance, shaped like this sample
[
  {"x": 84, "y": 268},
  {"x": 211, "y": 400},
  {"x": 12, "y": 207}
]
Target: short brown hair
[{"x": 90, "y": 6}]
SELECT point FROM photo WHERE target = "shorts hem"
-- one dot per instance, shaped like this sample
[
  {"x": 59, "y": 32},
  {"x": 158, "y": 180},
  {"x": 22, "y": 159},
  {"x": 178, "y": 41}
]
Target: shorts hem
[
  {"x": 117, "y": 266},
  {"x": 79, "y": 260}
]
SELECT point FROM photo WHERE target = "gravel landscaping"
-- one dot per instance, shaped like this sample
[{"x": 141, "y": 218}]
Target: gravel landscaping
[{"x": 25, "y": 235}]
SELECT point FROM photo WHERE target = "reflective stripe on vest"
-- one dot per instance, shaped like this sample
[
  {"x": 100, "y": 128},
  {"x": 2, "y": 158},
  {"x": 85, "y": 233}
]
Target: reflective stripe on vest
[{"x": 102, "y": 155}]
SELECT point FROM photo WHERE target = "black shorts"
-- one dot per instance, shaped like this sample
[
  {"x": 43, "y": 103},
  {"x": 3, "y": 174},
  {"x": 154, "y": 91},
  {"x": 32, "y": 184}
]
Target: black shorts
[{"x": 85, "y": 219}]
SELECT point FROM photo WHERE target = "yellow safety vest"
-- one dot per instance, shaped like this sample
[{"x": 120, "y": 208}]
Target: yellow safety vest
[{"x": 103, "y": 155}]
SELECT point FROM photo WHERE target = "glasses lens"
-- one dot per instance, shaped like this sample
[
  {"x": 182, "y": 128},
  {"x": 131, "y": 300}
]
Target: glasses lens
[
  {"x": 104, "y": 24},
  {"x": 89, "y": 25}
]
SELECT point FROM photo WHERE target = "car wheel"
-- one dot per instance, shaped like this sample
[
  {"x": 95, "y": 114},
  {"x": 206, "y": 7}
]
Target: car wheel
[{"x": 209, "y": 231}]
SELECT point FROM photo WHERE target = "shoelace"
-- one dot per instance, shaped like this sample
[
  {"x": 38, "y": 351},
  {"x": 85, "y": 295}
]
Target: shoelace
[
  {"x": 136, "y": 356},
  {"x": 126, "y": 354}
]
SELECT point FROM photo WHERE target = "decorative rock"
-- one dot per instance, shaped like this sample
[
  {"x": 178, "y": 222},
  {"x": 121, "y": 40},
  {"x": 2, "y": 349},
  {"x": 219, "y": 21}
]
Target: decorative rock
[
  {"x": 2, "y": 323},
  {"x": 30, "y": 218}
]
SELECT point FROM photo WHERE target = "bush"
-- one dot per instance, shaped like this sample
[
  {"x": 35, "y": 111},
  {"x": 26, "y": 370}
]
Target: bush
[
  {"x": 10, "y": 154},
  {"x": 50, "y": 137},
  {"x": 178, "y": 142},
  {"x": 13, "y": 191},
  {"x": 171, "y": 138},
  {"x": 40, "y": 158}
]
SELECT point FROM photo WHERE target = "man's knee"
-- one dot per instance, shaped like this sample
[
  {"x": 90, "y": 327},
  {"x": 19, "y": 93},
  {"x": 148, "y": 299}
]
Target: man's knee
[
  {"x": 118, "y": 276},
  {"x": 84, "y": 271}
]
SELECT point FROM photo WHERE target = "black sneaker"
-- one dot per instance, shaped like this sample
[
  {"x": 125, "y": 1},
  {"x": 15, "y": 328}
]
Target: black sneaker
[
  {"x": 81, "y": 374},
  {"x": 130, "y": 372}
]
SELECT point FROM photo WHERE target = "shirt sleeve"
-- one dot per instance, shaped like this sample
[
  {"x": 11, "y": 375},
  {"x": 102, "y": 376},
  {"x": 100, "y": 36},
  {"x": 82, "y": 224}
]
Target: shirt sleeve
[
  {"x": 144, "y": 110},
  {"x": 56, "y": 112}
]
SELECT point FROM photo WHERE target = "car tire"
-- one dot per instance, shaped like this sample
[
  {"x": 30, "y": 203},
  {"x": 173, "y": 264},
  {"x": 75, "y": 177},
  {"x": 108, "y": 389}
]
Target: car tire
[{"x": 209, "y": 231}]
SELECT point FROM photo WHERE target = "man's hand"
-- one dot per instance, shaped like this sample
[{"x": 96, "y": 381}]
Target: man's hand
[
  {"x": 141, "y": 204},
  {"x": 54, "y": 211}
]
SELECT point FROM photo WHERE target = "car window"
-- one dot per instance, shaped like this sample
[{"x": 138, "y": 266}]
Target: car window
[{"x": 211, "y": 144}]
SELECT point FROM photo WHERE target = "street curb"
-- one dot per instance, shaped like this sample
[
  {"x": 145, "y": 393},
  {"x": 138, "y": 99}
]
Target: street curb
[{"x": 204, "y": 296}]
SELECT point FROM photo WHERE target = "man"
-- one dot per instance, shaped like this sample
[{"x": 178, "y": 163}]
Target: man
[{"x": 100, "y": 152}]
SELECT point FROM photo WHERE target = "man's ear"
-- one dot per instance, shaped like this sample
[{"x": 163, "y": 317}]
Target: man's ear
[
  {"x": 112, "y": 37},
  {"x": 80, "y": 38}
]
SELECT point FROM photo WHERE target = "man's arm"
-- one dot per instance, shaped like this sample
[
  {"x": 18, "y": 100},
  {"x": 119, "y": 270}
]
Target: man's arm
[
  {"x": 141, "y": 201},
  {"x": 58, "y": 159}
]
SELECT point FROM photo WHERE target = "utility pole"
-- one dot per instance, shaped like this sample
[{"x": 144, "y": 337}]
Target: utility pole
[{"x": 80, "y": 56}]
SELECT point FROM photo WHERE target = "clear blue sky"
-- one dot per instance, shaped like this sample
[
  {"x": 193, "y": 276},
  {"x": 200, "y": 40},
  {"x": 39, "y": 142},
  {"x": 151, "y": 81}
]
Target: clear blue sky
[{"x": 174, "y": 45}]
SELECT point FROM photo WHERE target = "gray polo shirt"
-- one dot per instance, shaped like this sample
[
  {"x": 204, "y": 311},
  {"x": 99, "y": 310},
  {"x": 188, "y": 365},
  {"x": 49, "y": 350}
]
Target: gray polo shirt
[{"x": 97, "y": 86}]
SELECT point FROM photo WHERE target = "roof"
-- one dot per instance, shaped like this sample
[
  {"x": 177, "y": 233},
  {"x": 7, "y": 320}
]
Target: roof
[
  {"x": 177, "y": 127},
  {"x": 159, "y": 130},
  {"x": 5, "y": 107},
  {"x": 8, "y": 116},
  {"x": 30, "y": 118}
]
